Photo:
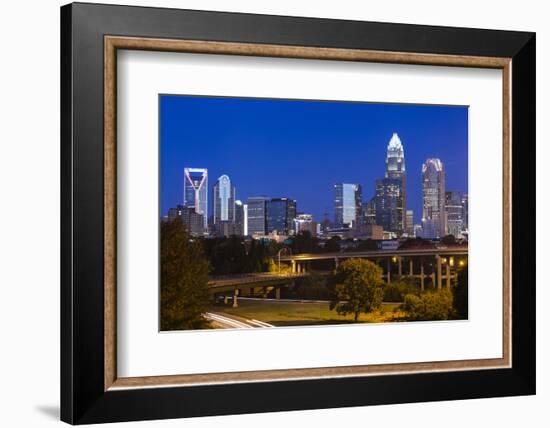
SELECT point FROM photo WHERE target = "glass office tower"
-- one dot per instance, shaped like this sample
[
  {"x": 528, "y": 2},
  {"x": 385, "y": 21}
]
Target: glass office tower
[
  {"x": 256, "y": 223},
  {"x": 388, "y": 200},
  {"x": 347, "y": 204},
  {"x": 455, "y": 213},
  {"x": 433, "y": 199},
  {"x": 223, "y": 200},
  {"x": 281, "y": 213}
]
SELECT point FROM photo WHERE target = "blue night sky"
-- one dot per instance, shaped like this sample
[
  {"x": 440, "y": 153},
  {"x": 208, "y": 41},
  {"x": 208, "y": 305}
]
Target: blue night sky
[{"x": 300, "y": 149}]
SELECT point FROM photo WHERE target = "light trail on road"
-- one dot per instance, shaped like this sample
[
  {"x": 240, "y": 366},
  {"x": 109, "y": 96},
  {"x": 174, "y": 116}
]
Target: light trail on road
[{"x": 234, "y": 323}]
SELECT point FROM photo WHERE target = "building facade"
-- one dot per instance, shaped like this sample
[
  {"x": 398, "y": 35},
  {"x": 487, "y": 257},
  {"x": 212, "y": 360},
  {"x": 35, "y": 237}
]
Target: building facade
[
  {"x": 223, "y": 201},
  {"x": 256, "y": 222},
  {"x": 455, "y": 213},
  {"x": 388, "y": 205},
  {"x": 395, "y": 169},
  {"x": 280, "y": 215},
  {"x": 195, "y": 191},
  {"x": 193, "y": 221},
  {"x": 241, "y": 218},
  {"x": 368, "y": 214},
  {"x": 465, "y": 212},
  {"x": 305, "y": 223},
  {"x": 347, "y": 204},
  {"x": 409, "y": 223},
  {"x": 434, "y": 219}
]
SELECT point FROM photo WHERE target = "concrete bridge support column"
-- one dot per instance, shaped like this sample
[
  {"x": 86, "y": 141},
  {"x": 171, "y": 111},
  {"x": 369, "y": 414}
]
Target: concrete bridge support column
[
  {"x": 411, "y": 271},
  {"x": 388, "y": 276},
  {"x": 438, "y": 260},
  {"x": 278, "y": 293},
  {"x": 399, "y": 270},
  {"x": 336, "y": 263},
  {"x": 293, "y": 266},
  {"x": 421, "y": 275},
  {"x": 264, "y": 292},
  {"x": 448, "y": 275},
  {"x": 235, "y": 298}
]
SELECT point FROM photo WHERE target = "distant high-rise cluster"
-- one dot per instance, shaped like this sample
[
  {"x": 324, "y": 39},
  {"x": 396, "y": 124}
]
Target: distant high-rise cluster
[
  {"x": 383, "y": 216},
  {"x": 443, "y": 212},
  {"x": 259, "y": 216}
]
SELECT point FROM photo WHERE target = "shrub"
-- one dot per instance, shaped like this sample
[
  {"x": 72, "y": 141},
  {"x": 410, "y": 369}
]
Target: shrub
[
  {"x": 397, "y": 291},
  {"x": 460, "y": 294},
  {"x": 431, "y": 306}
]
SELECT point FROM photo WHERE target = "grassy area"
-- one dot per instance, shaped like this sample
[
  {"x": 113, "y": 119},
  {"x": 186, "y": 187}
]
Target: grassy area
[{"x": 283, "y": 313}]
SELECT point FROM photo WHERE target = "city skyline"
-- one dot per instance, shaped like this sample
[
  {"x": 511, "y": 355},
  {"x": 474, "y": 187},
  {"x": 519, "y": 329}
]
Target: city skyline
[{"x": 241, "y": 163}]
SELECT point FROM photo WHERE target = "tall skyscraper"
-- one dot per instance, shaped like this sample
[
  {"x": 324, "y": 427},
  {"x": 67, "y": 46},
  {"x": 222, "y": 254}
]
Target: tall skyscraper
[
  {"x": 455, "y": 212},
  {"x": 434, "y": 219},
  {"x": 395, "y": 169},
  {"x": 195, "y": 191},
  {"x": 388, "y": 199},
  {"x": 223, "y": 200},
  {"x": 347, "y": 204},
  {"x": 241, "y": 218},
  {"x": 281, "y": 213},
  {"x": 257, "y": 215}
]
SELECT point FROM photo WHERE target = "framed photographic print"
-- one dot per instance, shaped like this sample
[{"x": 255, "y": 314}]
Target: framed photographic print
[{"x": 265, "y": 213}]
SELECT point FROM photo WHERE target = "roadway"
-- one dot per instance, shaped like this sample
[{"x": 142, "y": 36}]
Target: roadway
[
  {"x": 231, "y": 321},
  {"x": 257, "y": 279},
  {"x": 413, "y": 252}
]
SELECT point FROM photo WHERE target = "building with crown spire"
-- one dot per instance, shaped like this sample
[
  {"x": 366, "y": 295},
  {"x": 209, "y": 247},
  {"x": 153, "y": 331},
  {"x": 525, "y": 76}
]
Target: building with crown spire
[{"x": 392, "y": 191}]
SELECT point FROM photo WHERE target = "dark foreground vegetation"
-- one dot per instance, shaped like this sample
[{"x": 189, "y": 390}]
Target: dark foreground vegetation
[{"x": 353, "y": 291}]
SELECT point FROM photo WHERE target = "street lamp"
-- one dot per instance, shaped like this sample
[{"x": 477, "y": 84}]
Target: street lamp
[{"x": 279, "y": 256}]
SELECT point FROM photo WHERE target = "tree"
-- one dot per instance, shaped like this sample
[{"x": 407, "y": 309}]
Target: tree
[
  {"x": 304, "y": 242},
  {"x": 257, "y": 260},
  {"x": 314, "y": 286},
  {"x": 359, "y": 287},
  {"x": 332, "y": 245},
  {"x": 367, "y": 245},
  {"x": 460, "y": 294},
  {"x": 412, "y": 243},
  {"x": 183, "y": 279},
  {"x": 448, "y": 240},
  {"x": 430, "y": 306}
]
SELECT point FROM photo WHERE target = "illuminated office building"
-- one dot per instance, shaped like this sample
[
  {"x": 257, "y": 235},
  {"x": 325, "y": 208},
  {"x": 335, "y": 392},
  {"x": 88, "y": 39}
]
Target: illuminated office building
[
  {"x": 347, "y": 204},
  {"x": 256, "y": 223},
  {"x": 455, "y": 213},
  {"x": 223, "y": 201},
  {"x": 195, "y": 191},
  {"x": 395, "y": 169},
  {"x": 280, "y": 215},
  {"x": 241, "y": 218},
  {"x": 305, "y": 223},
  {"x": 388, "y": 200},
  {"x": 434, "y": 219}
]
